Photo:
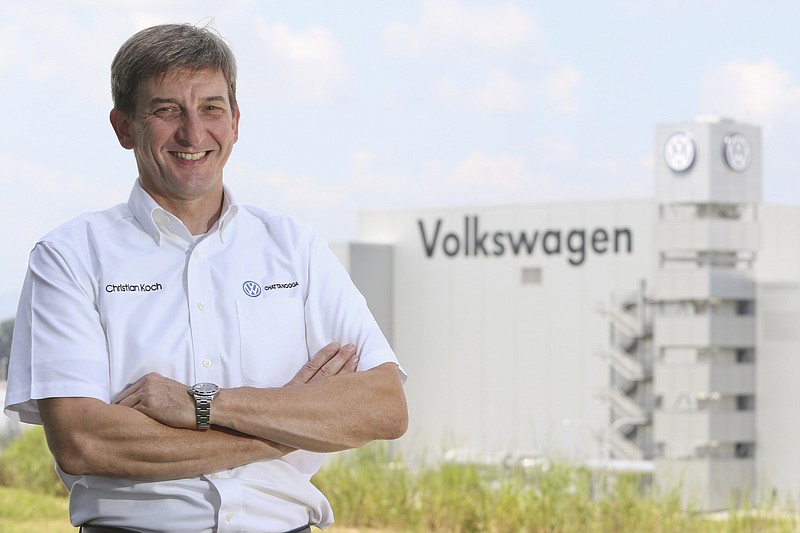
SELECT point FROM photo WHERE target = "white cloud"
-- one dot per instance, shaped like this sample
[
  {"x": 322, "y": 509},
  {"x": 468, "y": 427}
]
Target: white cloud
[
  {"x": 758, "y": 90},
  {"x": 499, "y": 91},
  {"x": 313, "y": 193},
  {"x": 478, "y": 178},
  {"x": 494, "y": 179},
  {"x": 453, "y": 24},
  {"x": 57, "y": 45},
  {"x": 16, "y": 57},
  {"x": 481, "y": 171},
  {"x": 560, "y": 90},
  {"x": 311, "y": 63},
  {"x": 767, "y": 94}
]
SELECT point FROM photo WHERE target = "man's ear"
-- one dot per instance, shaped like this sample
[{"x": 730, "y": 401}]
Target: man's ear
[
  {"x": 236, "y": 116},
  {"x": 122, "y": 124}
]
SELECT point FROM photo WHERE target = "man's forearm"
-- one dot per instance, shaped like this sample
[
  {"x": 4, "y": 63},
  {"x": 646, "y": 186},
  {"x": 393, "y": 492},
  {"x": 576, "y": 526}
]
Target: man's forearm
[
  {"x": 89, "y": 437},
  {"x": 328, "y": 414}
]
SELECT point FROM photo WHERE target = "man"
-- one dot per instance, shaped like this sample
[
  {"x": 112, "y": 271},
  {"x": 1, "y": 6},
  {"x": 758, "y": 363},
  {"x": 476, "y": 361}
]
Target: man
[{"x": 188, "y": 356}]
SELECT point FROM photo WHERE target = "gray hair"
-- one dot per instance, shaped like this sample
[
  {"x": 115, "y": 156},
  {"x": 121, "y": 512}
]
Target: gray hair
[{"x": 160, "y": 49}]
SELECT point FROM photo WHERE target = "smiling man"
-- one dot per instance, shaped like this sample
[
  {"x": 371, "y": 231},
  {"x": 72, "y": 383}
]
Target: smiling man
[{"x": 192, "y": 358}]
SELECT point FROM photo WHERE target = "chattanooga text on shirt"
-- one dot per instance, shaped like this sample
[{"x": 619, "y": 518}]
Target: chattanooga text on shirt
[
  {"x": 476, "y": 243},
  {"x": 134, "y": 287},
  {"x": 281, "y": 286}
]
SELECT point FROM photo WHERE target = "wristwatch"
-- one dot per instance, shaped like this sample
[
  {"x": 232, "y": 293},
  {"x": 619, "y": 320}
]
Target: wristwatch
[{"x": 203, "y": 393}]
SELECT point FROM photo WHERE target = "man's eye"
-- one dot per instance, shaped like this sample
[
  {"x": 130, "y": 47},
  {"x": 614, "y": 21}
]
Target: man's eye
[{"x": 167, "y": 112}]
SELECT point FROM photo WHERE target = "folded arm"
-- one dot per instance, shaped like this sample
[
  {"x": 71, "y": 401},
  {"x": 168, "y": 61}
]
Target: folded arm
[
  {"x": 90, "y": 437},
  {"x": 323, "y": 409}
]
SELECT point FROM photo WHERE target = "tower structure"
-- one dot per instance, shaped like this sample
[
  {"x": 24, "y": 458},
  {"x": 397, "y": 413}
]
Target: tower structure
[{"x": 708, "y": 189}]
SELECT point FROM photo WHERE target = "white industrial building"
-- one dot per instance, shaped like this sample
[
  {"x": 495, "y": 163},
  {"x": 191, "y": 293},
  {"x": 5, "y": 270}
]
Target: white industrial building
[{"x": 663, "y": 330}]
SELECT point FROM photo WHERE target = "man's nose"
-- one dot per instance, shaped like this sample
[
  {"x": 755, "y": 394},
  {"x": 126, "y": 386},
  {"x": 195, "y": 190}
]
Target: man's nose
[{"x": 191, "y": 131}]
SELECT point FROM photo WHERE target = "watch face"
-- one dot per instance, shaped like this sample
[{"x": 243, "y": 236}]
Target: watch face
[
  {"x": 679, "y": 151},
  {"x": 738, "y": 153},
  {"x": 205, "y": 389}
]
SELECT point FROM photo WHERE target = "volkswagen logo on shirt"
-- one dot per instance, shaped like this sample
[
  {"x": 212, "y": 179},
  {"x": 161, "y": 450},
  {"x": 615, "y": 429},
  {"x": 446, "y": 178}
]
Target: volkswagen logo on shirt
[{"x": 251, "y": 288}]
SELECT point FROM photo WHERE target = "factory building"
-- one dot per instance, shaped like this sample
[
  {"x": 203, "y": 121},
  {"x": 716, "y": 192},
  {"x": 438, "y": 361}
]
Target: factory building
[{"x": 663, "y": 331}]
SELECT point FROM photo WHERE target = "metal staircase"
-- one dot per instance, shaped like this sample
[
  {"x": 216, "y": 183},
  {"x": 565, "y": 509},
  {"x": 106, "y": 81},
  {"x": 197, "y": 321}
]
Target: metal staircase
[{"x": 630, "y": 396}]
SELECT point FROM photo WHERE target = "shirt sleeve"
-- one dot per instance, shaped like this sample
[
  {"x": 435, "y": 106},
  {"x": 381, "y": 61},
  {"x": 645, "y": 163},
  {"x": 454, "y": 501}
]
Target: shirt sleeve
[
  {"x": 336, "y": 311},
  {"x": 59, "y": 346}
]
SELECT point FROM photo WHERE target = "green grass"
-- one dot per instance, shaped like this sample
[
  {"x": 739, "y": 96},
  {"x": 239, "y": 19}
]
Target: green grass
[
  {"x": 367, "y": 490},
  {"x": 26, "y": 463},
  {"x": 24, "y": 511},
  {"x": 371, "y": 492}
]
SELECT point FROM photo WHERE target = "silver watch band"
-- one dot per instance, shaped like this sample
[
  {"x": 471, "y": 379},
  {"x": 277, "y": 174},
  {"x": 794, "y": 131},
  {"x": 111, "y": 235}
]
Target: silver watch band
[{"x": 202, "y": 409}]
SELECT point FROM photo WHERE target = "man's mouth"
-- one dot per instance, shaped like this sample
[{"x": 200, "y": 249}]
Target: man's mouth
[{"x": 189, "y": 156}]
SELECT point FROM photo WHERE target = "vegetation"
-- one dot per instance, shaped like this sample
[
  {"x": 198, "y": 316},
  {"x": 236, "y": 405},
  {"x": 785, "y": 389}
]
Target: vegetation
[
  {"x": 368, "y": 490},
  {"x": 24, "y": 511},
  {"x": 26, "y": 463},
  {"x": 371, "y": 492},
  {"x": 6, "y": 329},
  {"x": 32, "y": 497}
]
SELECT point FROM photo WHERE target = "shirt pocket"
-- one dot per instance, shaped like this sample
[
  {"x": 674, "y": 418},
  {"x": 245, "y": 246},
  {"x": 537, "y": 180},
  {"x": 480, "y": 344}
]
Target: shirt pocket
[{"x": 273, "y": 339}]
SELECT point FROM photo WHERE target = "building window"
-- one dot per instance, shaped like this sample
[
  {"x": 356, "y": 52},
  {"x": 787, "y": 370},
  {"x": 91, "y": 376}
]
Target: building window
[
  {"x": 744, "y": 450},
  {"x": 745, "y": 402},
  {"x": 532, "y": 276},
  {"x": 745, "y": 355}
]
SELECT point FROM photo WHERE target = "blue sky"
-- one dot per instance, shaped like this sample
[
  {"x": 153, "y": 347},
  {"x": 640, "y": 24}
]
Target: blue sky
[{"x": 356, "y": 104}]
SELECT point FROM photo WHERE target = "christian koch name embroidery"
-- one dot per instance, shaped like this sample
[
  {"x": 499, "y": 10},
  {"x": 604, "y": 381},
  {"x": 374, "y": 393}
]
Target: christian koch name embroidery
[{"x": 134, "y": 287}]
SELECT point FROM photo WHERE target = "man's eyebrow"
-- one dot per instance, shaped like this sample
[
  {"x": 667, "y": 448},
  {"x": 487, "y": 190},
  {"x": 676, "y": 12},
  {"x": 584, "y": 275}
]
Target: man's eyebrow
[{"x": 164, "y": 100}]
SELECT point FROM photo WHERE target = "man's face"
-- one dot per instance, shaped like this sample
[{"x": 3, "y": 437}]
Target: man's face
[{"x": 182, "y": 132}]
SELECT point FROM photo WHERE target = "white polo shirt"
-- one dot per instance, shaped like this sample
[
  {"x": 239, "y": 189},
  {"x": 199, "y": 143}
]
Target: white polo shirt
[{"x": 114, "y": 295}]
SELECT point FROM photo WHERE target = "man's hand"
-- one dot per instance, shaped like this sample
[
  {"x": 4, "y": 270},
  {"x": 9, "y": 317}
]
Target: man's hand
[
  {"x": 162, "y": 399},
  {"x": 167, "y": 401},
  {"x": 329, "y": 361}
]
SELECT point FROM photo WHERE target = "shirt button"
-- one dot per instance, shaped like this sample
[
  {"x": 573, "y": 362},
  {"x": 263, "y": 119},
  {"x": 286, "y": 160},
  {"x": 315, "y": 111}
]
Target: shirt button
[
  {"x": 206, "y": 362},
  {"x": 229, "y": 517},
  {"x": 196, "y": 254},
  {"x": 201, "y": 305}
]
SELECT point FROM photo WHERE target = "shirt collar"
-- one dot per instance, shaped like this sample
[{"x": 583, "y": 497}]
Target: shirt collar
[{"x": 158, "y": 222}]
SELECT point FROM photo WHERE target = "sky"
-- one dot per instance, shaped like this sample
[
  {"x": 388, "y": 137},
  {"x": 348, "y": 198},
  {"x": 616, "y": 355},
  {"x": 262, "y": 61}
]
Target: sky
[{"x": 360, "y": 105}]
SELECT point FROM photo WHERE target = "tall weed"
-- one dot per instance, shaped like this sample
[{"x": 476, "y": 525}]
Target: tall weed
[
  {"x": 367, "y": 489},
  {"x": 27, "y": 463}
]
